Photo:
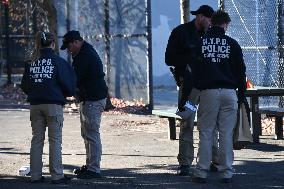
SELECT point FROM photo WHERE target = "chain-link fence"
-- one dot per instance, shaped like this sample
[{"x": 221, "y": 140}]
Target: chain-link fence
[
  {"x": 258, "y": 27},
  {"x": 118, "y": 29}
]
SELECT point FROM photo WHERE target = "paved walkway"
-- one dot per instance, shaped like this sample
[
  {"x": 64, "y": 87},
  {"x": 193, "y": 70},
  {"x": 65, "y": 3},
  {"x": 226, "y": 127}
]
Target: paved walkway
[{"x": 136, "y": 154}]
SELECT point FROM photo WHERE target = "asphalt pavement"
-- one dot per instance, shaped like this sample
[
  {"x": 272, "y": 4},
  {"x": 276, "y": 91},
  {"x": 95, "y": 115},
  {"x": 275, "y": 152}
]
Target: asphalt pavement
[{"x": 136, "y": 154}]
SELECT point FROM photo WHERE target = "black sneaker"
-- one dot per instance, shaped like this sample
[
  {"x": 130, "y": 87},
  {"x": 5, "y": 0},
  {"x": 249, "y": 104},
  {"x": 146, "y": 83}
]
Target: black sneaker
[
  {"x": 63, "y": 180},
  {"x": 80, "y": 170},
  {"x": 213, "y": 167},
  {"x": 38, "y": 181},
  {"x": 89, "y": 175},
  {"x": 226, "y": 180},
  {"x": 199, "y": 180},
  {"x": 184, "y": 170},
  {"x": 238, "y": 146},
  {"x": 109, "y": 107}
]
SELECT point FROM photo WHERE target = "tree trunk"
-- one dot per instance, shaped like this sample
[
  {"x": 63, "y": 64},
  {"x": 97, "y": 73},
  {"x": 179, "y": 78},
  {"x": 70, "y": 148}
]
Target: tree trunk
[{"x": 184, "y": 10}]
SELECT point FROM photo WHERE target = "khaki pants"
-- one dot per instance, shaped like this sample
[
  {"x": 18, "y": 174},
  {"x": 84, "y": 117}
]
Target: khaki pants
[
  {"x": 46, "y": 116},
  {"x": 90, "y": 117},
  {"x": 186, "y": 148},
  {"x": 217, "y": 109}
]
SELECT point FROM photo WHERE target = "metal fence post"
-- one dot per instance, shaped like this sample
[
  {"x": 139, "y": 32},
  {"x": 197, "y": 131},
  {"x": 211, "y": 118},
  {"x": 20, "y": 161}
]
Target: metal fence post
[
  {"x": 221, "y": 4},
  {"x": 280, "y": 46},
  {"x": 149, "y": 55},
  {"x": 68, "y": 24},
  {"x": 107, "y": 42},
  {"x": 7, "y": 37}
]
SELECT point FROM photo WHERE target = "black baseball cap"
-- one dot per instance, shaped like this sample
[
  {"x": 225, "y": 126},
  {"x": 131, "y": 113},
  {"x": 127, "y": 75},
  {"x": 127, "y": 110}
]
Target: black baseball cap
[
  {"x": 206, "y": 10},
  {"x": 70, "y": 37}
]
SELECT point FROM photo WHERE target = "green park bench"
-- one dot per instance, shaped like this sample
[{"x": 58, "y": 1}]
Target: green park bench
[{"x": 169, "y": 113}]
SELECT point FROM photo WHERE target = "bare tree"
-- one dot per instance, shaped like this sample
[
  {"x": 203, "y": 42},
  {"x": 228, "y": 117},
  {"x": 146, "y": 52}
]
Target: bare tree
[
  {"x": 44, "y": 17},
  {"x": 48, "y": 6},
  {"x": 24, "y": 19}
]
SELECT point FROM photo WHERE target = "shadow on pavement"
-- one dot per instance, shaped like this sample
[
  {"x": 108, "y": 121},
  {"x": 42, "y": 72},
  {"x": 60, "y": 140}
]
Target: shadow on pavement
[
  {"x": 266, "y": 147},
  {"x": 249, "y": 174}
]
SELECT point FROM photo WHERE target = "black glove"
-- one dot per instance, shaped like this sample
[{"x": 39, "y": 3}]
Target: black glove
[
  {"x": 176, "y": 76},
  {"x": 185, "y": 90},
  {"x": 241, "y": 97}
]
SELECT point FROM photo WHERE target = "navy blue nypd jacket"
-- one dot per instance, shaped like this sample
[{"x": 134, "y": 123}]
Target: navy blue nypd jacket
[
  {"x": 220, "y": 62},
  {"x": 89, "y": 69},
  {"x": 49, "y": 79}
]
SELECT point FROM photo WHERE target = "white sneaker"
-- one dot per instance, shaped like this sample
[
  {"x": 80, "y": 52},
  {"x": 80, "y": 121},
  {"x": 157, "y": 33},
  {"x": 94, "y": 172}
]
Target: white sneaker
[{"x": 24, "y": 170}]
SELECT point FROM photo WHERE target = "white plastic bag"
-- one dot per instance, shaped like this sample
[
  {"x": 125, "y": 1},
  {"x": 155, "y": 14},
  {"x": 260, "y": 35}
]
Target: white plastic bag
[{"x": 190, "y": 109}]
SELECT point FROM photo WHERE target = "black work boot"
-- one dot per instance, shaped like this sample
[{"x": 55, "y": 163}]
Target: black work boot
[
  {"x": 213, "y": 167},
  {"x": 89, "y": 175},
  {"x": 80, "y": 170},
  {"x": 198, "y": 180},
  {"x": 184, "y": 170}
]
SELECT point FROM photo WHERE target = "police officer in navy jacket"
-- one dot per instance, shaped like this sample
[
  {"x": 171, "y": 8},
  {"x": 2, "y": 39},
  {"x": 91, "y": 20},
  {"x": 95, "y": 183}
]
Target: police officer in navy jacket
[
  {"x": 218, "y": 73},
  {"x": 47, "y": 81}
]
